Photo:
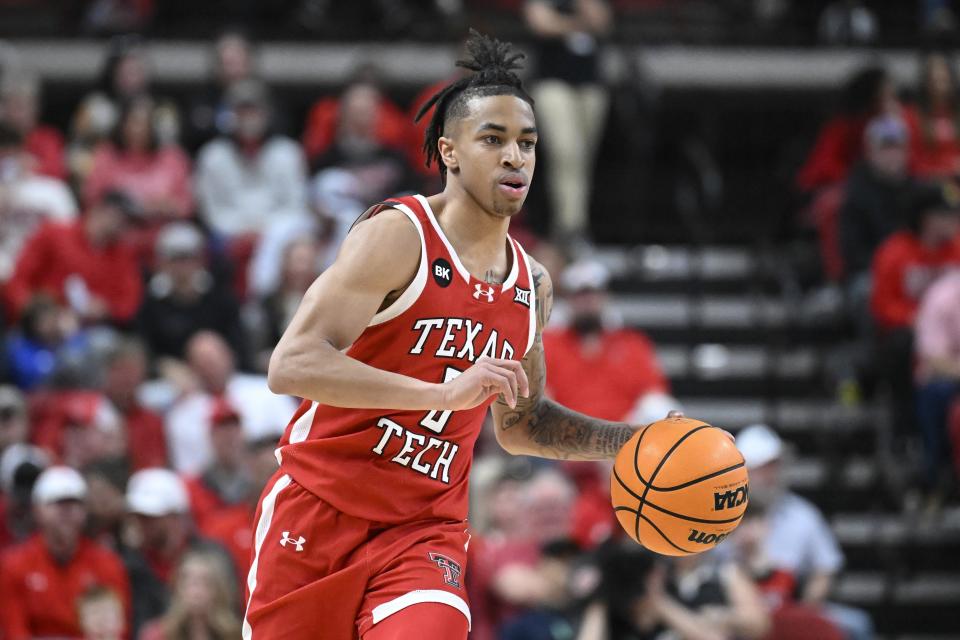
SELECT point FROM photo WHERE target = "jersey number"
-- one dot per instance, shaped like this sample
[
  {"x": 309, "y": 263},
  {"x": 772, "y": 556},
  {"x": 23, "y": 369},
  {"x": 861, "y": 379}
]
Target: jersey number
[{"x": 436, "y": 420}]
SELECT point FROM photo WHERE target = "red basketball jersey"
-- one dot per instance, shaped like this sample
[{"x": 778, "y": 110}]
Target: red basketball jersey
[{"x": 394, "y": 466}]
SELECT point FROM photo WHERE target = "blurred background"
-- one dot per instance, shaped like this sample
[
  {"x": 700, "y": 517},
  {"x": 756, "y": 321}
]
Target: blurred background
[{"x": 750, "y": 210}]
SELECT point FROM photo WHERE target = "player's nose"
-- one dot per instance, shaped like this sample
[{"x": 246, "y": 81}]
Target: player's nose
[{"x": 512, "y": 158}]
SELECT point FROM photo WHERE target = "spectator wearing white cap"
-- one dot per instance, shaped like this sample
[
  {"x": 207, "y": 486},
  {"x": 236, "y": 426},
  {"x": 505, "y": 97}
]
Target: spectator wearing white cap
[
  {"x": 626, "y": 382},
  {"x": 797, "y": 539},
  {"x": 41, "y": 579},
  {"x": 183, "y": 297},
  {"x": 162, "y": 533}
]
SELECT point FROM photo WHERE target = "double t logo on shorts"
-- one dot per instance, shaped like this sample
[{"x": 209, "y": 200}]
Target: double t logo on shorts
[{"x": 451, "y": 570}]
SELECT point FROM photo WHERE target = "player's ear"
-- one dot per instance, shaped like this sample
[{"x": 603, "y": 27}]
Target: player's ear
[{"x": 447, "y": 154}]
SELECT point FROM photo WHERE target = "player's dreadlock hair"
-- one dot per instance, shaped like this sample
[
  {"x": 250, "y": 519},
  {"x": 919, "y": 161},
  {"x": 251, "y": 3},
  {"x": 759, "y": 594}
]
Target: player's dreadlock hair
[{"x": 493, "y": 64}]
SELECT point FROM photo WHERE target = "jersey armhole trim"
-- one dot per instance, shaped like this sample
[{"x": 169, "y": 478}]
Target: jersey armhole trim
[
  {"x": 533, "y": 300},
  {"x": 415, "y": 288}
]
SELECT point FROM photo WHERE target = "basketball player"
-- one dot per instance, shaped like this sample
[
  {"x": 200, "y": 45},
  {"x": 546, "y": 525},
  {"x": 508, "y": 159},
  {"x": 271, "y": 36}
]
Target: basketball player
[{"x": 430, "y": 315}]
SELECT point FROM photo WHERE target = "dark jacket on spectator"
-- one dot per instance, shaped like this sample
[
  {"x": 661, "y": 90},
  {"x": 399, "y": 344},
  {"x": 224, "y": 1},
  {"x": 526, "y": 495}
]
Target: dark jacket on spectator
[
  {"x": 151, "y": 591},
  {"x": 167, "y": 323},
  {"x": 872, "y": 210}
]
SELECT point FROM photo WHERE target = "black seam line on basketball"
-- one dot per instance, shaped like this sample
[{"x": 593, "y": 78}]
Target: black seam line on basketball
[
  {"x": 690, "y": 482},
  {"x": 663, "y": 461},
  {"x": 636, "y": 451},
  {"x": 634, "y": 511},
  {"x": 662, "y": 534},
  {"x": 667, "y": 511}
]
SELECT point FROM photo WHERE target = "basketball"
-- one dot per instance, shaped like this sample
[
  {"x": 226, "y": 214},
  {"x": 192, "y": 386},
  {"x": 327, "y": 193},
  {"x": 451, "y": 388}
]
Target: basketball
[{"x": 679, "y": 486}]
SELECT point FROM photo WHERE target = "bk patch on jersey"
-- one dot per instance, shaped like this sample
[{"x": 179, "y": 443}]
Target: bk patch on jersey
[{"x": 442, "y": 272}]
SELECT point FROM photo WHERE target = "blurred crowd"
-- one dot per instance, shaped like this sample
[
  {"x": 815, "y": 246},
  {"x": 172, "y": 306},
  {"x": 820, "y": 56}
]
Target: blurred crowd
[{"x": 883, "y": 191}]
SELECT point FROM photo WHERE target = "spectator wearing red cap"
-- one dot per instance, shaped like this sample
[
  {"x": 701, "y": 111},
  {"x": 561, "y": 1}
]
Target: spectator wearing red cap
[
  {"x": 232, "y": 526},
  {"x": 85, "y": 264},
  {"x": 157, "y": 499},
  {"x": 42, "y": 579},
  {"x": 125, "y": 373},
  {"x": 225, "y": 482},
  {"x": 212, "y": 374}
]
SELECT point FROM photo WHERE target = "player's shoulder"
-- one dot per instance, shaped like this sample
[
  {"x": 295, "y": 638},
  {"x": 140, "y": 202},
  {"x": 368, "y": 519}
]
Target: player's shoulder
[
  {"x": 390, "y": 229},
  {"x": 385, "y": 247}
]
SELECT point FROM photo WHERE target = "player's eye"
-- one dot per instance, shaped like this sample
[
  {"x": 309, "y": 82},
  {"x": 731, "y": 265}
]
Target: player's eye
[
  {"x": 491, "y": 139},
  {"x": 528, "y": 144}
]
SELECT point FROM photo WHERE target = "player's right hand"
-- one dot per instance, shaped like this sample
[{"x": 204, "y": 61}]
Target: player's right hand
[{"x": 487, "y": 377}]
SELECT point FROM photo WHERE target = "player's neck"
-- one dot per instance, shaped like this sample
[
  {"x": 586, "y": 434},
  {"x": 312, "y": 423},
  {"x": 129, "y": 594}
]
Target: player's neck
[{"x": 473, "y": 232}]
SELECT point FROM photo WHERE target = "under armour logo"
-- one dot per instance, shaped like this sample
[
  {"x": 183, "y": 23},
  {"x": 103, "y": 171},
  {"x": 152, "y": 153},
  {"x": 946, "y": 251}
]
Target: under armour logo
[
  {"x": 480, "y": 291},
  {"x": 451, "y": 570},
  {"x": 287, "y": 539}
]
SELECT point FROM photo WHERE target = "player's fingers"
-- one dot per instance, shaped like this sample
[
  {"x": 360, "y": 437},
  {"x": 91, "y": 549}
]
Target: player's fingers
[
  {"x": 501, "y": 384},
  {"x": 675, "y": 413},
  {"x": 523, "y": 384},
  {"x": 510, "y": 376}
]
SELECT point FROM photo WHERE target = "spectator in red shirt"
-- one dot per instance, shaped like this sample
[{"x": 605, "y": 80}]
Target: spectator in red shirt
[
  {"x": 910, "y": 260},
  {"x": 225, "y": 482},
  {"x": 125, "y": 373},
  {"x": 391, "y": 127},
  {"x": 155, "y": 175},
  {"x": 934, "y": 133},
  {"x": 84, "y": 263},
  {"x": 905, "y": 265},
  {"x": 232, "y": 526},
  {"x": 625, "y": 381},
  {"x": 870, "y": 92},
  {"x": 42, "y": 579},
  {"x": 19, "y": 107}
]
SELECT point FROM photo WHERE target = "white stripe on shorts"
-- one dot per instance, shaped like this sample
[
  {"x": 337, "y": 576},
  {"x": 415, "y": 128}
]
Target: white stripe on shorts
[
  {"x": 263, "y": 526},
  {"x": 387, "y": 609}
]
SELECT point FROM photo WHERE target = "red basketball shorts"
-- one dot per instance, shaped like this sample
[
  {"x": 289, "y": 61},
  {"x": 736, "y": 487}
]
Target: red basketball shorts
[{"x": 319, "y": 574}]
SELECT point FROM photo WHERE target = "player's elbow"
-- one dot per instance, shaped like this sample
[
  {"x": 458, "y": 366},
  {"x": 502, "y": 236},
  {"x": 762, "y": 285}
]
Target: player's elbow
[
  {"x": 279, "y": 379},
  {"x": 510, "y": 441}
]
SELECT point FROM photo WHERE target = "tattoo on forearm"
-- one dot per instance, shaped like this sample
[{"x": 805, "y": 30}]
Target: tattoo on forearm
[
  {"x": 544, "y": 427},
  {"x": 561, "y": 433}
]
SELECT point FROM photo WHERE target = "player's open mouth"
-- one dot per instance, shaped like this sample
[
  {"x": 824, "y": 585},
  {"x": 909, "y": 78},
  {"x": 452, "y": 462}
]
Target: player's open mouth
[{"x": 514, "y": 187}]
